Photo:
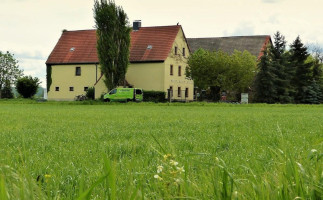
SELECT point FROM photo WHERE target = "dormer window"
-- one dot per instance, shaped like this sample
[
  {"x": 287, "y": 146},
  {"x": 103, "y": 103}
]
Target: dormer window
[
  {"x": 72, "y": 49},
  {"x": 149, "y": 46}
]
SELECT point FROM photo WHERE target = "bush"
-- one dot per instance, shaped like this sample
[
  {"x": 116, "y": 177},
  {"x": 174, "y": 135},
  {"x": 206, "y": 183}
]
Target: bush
[
  {"x": 27, "y": 86},
  {"x": 90, "y": 93},
  {"x": 154, "y": 96}
]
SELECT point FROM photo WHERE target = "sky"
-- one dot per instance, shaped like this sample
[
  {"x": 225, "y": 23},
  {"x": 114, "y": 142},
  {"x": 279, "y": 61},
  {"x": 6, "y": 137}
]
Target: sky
[{"x": 30, "y": 29}]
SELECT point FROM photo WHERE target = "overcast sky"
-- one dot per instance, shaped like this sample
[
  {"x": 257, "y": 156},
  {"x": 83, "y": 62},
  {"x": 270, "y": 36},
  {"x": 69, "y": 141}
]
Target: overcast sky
[{"x": 31, "y": 28}]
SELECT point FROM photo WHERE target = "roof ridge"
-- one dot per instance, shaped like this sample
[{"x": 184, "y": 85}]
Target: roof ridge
[
  {"x": 65, "y": 30},
  {"x": 78, "y": 30},
  {"x": 229, "y": 36},
  {"x": 160, "y": 26}
]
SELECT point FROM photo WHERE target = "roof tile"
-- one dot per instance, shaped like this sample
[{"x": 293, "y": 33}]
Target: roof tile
[{"x": 161, "y": 38}]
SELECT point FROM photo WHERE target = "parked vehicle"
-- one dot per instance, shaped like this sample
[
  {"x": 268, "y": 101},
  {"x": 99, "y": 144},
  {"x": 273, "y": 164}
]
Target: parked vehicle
[{"x": 124, "y": 94}]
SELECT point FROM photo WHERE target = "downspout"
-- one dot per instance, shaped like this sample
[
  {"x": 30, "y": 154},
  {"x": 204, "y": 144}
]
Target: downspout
[
  {"x": 96, "y": 77},
  {"x": 96, "y": 72}
]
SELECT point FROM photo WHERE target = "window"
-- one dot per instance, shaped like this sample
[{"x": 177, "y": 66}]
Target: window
[
  {"x": 86, "y": 88},
  {"x": 183, "y": 51},
  {"x": 179, "y": 71},
  {"x": 138, "y": 91},
  {"x": 171, "y": 70},
  {"x": 175, "y": 50},
  {"x": 78, "y": 71},
  {"x": 113, "y": 91},
  {"x": 179, "y": 92},
  {"x": 71, "y": 89},
  {"x": 186, "y": 92},
  {"x": 56, "y": 88}
]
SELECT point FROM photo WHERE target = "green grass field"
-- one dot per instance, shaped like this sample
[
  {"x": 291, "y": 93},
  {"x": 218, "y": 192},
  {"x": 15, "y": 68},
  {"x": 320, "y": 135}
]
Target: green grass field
[{"x": 69, "y": 150}]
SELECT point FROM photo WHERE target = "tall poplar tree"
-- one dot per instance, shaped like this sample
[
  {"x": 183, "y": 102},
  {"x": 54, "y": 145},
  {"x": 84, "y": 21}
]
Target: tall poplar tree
[{"x": 113, "y": 41}]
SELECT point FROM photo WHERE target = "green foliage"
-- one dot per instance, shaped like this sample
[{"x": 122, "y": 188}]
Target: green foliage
[
  {"x": 113, "y": 41},
  {"x": 222, "y": 71},
  {"x": 48, "y": 77},
  {"x": 6, "y": 91},
  {"x": 154, "y": 96},
  {"x": 9, "y": 70},
  {"x": 279, "y": 62},
  {"x": 90, "y": 93},
  {"x": 303, "y": 75},
  {"x": 222, "y": 151},
  {"x": 27, "y": 86},
  {"x": 264, "y": 81},
  {"x": 287, "y": 77}
]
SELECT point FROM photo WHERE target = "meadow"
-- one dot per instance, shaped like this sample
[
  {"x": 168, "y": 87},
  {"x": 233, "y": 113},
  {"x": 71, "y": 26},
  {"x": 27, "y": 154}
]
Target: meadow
[{"x": 75, "y": 150}]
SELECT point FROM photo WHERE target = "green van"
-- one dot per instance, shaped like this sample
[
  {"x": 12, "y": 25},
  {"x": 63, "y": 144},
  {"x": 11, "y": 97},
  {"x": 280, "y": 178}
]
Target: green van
[{"x": 124, "y": 94}]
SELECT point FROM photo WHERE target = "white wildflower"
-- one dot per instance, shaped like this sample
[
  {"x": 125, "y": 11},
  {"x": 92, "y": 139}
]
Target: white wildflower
[
  {"x": 177, "y": 181},
  {"x": 180, "y": 169},
  {"x": 158, "y": 177},
  {"x": 160, "y": 169},
  {"x": 172, "y": 162}
]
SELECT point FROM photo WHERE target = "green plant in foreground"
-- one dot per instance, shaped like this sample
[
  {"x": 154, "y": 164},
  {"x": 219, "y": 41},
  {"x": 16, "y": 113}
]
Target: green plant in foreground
[{"x": 226, "y": 151}]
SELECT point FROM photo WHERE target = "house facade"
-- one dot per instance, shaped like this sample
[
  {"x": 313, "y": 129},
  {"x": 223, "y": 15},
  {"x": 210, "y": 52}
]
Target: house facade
[{"x": 158, "y": 59}]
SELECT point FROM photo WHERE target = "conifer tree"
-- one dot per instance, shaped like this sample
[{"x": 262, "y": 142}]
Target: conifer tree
[
  {"x": 317, "y": 75},
  {"x": 264, "y": 81},
  {"x": 302, "y": 80},
  {"x": 279, "y": 62}
]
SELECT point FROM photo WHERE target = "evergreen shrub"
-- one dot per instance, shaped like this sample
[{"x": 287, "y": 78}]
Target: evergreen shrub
[
  {"x": 90, "y": 93},
  {"x": 154, "y": 96}
]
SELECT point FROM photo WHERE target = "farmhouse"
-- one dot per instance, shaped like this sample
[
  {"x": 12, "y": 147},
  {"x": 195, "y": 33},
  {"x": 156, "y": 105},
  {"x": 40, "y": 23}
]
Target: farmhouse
[
  {"x": 158, "y": 59},
  {"x": 253, "y": 44}
]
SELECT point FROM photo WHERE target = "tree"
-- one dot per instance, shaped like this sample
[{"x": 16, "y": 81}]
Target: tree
[
  {"x": 9, "y": 70},
  {"x": 264, "y": 81},
  {"x": 242, "y": 71},
  {"x": 221, "y": 71},
  {"x": 90, "y": 93},
  {"x": 113, "y": 41},
  {"x": 302, "y": 81},
  {"x": 6, "y": 91},
  {"x": 27, "y": 86},
  {"x": 282, "y": 76}
]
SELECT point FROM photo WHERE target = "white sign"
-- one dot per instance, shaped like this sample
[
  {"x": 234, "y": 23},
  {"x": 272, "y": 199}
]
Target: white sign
[{"x": 244, "y": 98}]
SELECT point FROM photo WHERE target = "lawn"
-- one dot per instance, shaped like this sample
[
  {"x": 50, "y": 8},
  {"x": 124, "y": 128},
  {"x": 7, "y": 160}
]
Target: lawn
[{"x": 70, "y": 150}]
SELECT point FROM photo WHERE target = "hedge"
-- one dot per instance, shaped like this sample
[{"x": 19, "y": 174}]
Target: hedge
[{"x": 154, "y": 96}]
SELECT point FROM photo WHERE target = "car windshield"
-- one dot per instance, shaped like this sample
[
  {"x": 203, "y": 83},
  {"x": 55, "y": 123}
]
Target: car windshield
[{"x": 113, "y": 91}]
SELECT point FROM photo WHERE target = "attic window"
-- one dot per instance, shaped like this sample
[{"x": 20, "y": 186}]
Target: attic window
[
  {"x": 72, "y": 49},
  {"x": 149, "y": 46}
]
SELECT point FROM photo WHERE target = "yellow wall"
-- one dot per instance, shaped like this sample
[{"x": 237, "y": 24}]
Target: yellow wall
[
  {"x": 100, "y": 88},
  {"x": 178, "y": 60},
  {"x": 63, "y": 76},
  {"x": 148, "y": 76}
]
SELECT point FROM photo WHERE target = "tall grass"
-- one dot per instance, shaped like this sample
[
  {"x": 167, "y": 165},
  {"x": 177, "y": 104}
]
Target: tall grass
[{"x": 53, "y": 150}]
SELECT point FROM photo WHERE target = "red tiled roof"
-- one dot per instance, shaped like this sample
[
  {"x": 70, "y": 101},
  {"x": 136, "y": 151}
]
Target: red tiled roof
[{"x": 159, "y": 38}]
